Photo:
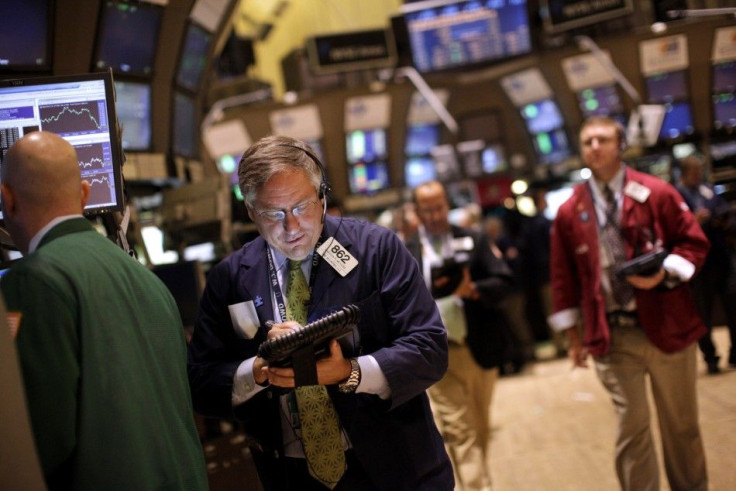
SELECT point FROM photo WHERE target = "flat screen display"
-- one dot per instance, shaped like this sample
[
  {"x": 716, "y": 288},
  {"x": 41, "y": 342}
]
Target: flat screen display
[
  {"x": 80, "y": 109},
  {"x": 452, "y": 34},
  {"x": 724, "y": 77},
  {"x": 419, "y": 170},
  {"x": 25, "y": 38},
  {"x": 134, "y": 114},
  {"x": 193, "y": 57},
  {"x": 421, "y": 138},
  {"x": 552, "y": 146},
  {"x": 600, "y": 101},
  {"x": 542, "y": 116},
  {"x": 368, "y": 178},
  {"x": 667, "y": 87},
  {"x": 678, "y": 122},
  {"x": 724, "y": 111},
  {"x": 127, "y": 37},
  {"x": 184, "y": 125},
  {"x": 493, "y": 159},
  {"x": 366, "y": 145}
]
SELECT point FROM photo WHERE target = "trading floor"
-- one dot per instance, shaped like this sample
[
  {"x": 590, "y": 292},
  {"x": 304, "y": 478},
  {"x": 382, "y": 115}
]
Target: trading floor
[{"x": 554, "y": 428}]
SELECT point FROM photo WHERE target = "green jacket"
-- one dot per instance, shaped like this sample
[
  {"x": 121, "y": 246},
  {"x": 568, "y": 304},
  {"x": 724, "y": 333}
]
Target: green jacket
[{"x": 102, "y": 350}]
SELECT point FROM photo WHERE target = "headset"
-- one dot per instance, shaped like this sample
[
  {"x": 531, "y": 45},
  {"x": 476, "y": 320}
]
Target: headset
[{"x": 324, "y": 186}]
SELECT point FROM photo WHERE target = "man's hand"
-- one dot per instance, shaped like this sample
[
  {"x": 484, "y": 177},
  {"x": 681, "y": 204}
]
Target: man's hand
[
  {"x": 647, "y": 282},
  {"x": 467, "y": 288},
  {"x": 577, "y": 353},
  {"x": 331, "y": 369}
]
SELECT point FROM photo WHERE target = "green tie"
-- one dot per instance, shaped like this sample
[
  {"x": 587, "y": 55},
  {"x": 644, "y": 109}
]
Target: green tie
[{"x": 317, "y": 416}]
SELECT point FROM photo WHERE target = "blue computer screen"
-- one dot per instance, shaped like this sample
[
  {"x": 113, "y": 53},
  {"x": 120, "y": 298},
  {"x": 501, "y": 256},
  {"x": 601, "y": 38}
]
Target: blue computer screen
[
  {"x": 724, "y": 111},
  {"x": 678, "y": 121},
  {"x": 724, "y": 77},
  {"x": 366, "y": 145},
  {"x": 552, "y": 146},
  {"x": 419, "y": 170},
  {"x": 421, "y": 138},
  {"x": 185, "y": 134},
  {"x": 542, "y": 116},
  {"x": 493, "y": 159},
  {"x": 26, "y": 35},
  {"x": 600, "y": 101},
  {"x": 468, "y": 32},
  {"x": 667, "y": 87},
  {"x": 368, "y": 178}
]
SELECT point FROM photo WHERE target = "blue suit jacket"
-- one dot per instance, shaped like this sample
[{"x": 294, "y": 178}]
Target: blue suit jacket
[{"x": 396, "y": 441}]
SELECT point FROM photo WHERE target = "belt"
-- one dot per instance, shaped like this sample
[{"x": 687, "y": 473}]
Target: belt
[{"x": 622, "y": 318}]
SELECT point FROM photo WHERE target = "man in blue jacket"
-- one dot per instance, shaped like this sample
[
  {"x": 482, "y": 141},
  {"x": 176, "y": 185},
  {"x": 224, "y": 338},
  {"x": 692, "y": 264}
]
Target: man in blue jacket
[{"x": 375, "y": 377}]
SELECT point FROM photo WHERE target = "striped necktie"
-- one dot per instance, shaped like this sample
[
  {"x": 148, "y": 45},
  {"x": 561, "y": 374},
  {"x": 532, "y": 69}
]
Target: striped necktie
[
  {"x": 323, "y": 446},
  {"x": 622, "y": 290}
]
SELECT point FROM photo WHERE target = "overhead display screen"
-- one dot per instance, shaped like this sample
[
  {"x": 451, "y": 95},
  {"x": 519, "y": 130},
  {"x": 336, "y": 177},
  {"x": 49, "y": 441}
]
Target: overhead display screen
[{"x": 445, "y": 35}]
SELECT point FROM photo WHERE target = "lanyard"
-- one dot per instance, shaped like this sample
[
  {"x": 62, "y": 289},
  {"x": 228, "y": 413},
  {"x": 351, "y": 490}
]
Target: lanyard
[{"x": 280, "y": 304}]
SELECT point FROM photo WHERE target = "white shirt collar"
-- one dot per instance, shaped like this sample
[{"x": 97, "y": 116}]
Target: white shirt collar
[{"x": 33, "y": 244}]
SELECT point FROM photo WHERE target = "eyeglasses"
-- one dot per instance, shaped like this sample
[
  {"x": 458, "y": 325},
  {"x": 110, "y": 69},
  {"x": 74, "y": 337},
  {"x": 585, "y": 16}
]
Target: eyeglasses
[{"x": 300, "y": 210}]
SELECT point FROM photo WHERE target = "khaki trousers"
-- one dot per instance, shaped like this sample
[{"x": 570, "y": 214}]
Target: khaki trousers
[
  {"x": 624, "y": 372},
  {"x": 461, "y": 404}
]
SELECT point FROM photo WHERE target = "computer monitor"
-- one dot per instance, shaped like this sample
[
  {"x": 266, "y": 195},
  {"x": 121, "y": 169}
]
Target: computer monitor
[
  {"x": 724, "y": 111},
  {"x": 667, "y": 87},
  {"x": 134, "y": 114},
  {"x": 418, "y": 170},
  {"x": 367, "y": 155},
  {"x": 79, "y": 108},
  {"x": 600, "y": 101},
  {"x": 26, "y": 36},
  {"x": 185, "y": 128},
  {"x": 449, "y": 34},
  {"x": 542, "y": 116},
  {"x": 421, "y": 138},
  {"x": 127, "y": 37},
  {"x": 193, "y": 57},
  {"x": 485, "y": 125},
  {"x": 552, "y": 146},
  {"x": 678, "y": 122},
  {"x": 493, "y": 159},
  {"x": 724, "y": 77}
]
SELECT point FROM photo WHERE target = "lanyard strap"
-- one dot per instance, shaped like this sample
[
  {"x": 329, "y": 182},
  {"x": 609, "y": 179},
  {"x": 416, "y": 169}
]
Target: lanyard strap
[{"x": 280, "y": 304}]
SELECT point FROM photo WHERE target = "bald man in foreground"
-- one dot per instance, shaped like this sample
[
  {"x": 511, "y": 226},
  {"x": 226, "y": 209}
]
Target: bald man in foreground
[{"x": 99, "y": 338}]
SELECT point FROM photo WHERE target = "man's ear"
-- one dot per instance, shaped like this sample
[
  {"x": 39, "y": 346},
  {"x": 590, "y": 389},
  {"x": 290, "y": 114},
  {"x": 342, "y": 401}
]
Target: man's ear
[
  {"x": 85, "y": 190},
  {"x": 251, "y": 214},
  {"x": 8, "y": 200}
]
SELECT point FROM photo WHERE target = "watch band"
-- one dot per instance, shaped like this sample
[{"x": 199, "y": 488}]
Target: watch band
[{"x": 351, "y": 384}]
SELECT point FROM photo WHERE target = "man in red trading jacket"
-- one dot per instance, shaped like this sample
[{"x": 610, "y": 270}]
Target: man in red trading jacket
[{"x": 640, "y": 325}]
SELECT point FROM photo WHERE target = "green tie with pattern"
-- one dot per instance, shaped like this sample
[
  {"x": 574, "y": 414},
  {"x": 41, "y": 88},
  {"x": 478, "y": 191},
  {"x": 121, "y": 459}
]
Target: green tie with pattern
[{"x": 317, "y": 416}]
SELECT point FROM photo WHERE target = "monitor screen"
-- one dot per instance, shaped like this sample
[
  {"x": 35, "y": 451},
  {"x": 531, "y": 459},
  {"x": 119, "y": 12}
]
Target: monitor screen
[
  {"x": 366, "y": 145},
  {"x": 184, "y": 126},
  {"x": 552, "y": 146},
  {"x": 678, "y": 122},
  {"x": 127, "y": 37},
  {"x": 79, "y": 108},
  {"x": 418, "y": 170},
  {"x": 667, "y": 87},
  {"x": 724, "y": 77},
  {"x": 193, "y": 57},
  {"x": 493, "y": 159},
  {"x": 25, "y": 39},
  {"x": 542, "y": 116},
  {"x": 368, "y": 178},
  {"x": 724, "y": 111},
  {"x": 452, "y": 34},
  {"x": 134, "y": 114},
  {"x": 421, "y": 138},
  {"x": 600, "y": 101}
]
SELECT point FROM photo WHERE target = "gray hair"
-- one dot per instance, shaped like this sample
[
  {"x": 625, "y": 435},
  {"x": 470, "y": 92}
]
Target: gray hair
[{"x": 271, "y": 155}]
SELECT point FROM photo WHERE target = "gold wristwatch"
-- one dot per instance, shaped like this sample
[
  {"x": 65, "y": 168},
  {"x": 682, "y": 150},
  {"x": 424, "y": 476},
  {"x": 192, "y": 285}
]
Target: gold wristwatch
[{"x": 349, "y": 386}]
